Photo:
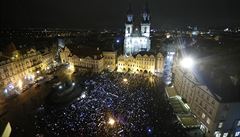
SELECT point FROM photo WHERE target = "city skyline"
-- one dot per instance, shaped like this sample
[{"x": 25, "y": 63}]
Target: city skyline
[{"x": 111, "y": 14}]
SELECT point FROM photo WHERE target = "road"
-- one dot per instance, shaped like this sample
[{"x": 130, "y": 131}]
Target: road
[{"x": 167, "y": 72}]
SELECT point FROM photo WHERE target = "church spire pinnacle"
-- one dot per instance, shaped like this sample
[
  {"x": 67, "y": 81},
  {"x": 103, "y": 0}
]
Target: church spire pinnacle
[
  {"x": 130, "y": 14},
  {"x": 146, "y": 14}
]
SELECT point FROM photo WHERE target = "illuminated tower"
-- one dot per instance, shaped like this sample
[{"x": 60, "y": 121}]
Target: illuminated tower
[
  {"x": 137, "y": 40},
  {"x": 145, "y": 25},
  {"x": 129, "y": 22}
]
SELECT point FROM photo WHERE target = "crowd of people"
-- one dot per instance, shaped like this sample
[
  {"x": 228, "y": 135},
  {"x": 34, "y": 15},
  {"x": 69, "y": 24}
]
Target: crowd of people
[{"x": 111, "y": 104}]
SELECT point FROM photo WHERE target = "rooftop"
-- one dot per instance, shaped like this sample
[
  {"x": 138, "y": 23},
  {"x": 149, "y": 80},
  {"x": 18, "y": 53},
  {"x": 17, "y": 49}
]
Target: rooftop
[
  {"x": 219, "y": 70},
  {"x": 84, "y": 51}
]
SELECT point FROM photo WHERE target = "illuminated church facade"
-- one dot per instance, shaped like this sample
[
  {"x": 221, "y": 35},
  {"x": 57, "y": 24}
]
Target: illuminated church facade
[{"x": 137, "y": 39}]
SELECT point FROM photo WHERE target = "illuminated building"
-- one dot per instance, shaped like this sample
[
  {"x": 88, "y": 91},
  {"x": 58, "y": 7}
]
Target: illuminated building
[
  {"x": 96, "y": 61},
  {"x": 13, "y": 70},
  {"x": 142, "y": 62},
  {"x": 212, "y": 98},
  {"x": 136, "y": 39},
  {"x": 83, "y": 58},
  {"x": 110, "y": 59}
]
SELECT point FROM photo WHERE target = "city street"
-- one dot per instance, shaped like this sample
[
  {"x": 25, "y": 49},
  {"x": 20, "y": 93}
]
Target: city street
[{"x": 167, "y": 73}]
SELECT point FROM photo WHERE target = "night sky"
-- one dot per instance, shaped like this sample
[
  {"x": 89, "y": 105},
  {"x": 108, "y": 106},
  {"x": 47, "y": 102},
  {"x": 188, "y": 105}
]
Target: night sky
[{"x": 111, "y": 13}]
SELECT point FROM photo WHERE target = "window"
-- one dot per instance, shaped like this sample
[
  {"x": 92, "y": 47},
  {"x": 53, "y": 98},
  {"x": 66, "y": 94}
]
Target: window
[
  {"x": 238, "y": 123},
  {"x": 145, "y": 29},
  {"x": 203, "y": 115},
  {"x": 237, "y": 134},
  {"x": 220, "y": 125},
  {"x": 128, "y": 29},
  {"x": 225, "y": 134},
  {"x": 208, "y": 120},
  {"x": 210, "y": 111},
  {"x": 217, "y": 134}
]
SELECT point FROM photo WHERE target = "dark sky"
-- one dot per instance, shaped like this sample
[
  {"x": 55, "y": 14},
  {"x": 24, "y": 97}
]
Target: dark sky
[{"x": 111, "y": 13}]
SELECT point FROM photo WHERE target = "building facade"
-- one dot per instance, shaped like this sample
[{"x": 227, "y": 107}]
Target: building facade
[
  {"x": 14, "y": 69},
  {"x": 142, "y": 62},
  {"x": 110, "y": 60},
  {"x": 94, "y": 62},
  {"x": 136, "y": 39},
  {"x": 219, "y": 117}
]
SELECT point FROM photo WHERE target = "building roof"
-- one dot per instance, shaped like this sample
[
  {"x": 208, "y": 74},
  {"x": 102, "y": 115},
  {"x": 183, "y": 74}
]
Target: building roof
[
  {"x": 220, "y": 72},
  {"x": 220, "y": 84},
  {"x": 84, "y": 51},
  {"x": 142, "y": 53}
]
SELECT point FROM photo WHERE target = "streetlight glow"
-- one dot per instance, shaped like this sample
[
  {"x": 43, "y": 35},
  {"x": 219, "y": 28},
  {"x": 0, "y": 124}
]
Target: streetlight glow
[
  {"x": 125, "y": 80},
  {"x": 60, "y": 87},
  {"x": 111, "y": 121},
  {"x": 187, "y": 63},
  {"x": 20, "y": 84},
  {"x": 83, "y": 95}
]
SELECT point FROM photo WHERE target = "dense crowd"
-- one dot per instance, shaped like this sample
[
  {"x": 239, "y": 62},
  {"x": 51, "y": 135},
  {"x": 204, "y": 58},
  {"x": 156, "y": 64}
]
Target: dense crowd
[{"x": 111, "y": 104}]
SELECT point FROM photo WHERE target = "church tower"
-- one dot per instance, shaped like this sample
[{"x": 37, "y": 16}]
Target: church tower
[
  {"x": 136, "y": 40},
  {"x": 129, "y": 22},
  {"x": 145, "y": 25}
]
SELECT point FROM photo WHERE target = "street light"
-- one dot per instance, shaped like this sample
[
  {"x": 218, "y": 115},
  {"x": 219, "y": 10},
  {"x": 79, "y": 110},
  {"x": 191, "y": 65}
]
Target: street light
[
  {"x": 187, "y": 62},
  {"x": 60, "y": 87},
  {"x": 125, "y": 80},
  {"x": 83, "y": 95},
  {"x": 111, "y": 121}
]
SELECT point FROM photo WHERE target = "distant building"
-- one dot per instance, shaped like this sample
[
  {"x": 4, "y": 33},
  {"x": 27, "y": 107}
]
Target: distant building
[
  {"x": 96, "y": 60},
  {"x": 141, "y": 62},
  {"x": 83, "y": 58},
  {"x": 137, "y": 39},
  {"x": 110, "y": 60},
  {"x": 15, "y": 68}
]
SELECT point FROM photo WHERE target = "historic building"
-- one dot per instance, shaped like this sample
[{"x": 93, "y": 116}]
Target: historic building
[
  {"x": 83, "y": 58},
  {"x": 141, "y": 62},
  {"x": 110, "y": 60},
  {"x": 20, "y": 66},
  {"x": 137, "y": 39},
  {"x": 216, "y": 108}
]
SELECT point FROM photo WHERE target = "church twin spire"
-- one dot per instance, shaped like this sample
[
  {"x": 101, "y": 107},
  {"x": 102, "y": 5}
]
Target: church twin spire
[
  {"x": 137, "y": 39},
  {"x": 145, "y": 14},
  {"x": 130, "y": 15}
]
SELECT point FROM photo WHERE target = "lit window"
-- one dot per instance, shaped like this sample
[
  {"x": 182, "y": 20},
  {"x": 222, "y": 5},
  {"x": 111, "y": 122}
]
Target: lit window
[
  {"x": 203, "y": 115},
  {"x": 208, "y": 120},
  {"x": 237, "y": 134},
  {"x": 217, "y": 134},
  {"x": 220, "y": 125},
  {"x": 225, "y": 134},
  {"x": 238, "y": 123}
]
